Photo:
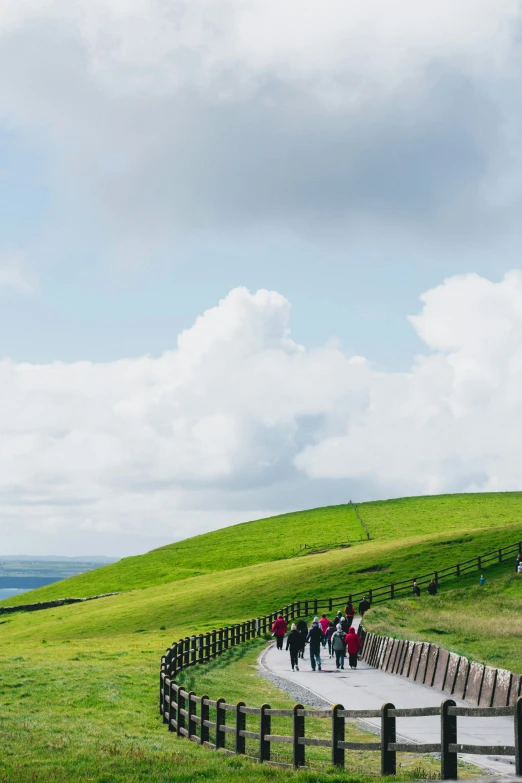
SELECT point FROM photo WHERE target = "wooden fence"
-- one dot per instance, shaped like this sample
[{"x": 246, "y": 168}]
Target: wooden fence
[{"x": 179, "y": 708}]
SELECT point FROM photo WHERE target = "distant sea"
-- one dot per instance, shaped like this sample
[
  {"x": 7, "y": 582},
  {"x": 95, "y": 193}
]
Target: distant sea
[{"x": 23, "y": 584}]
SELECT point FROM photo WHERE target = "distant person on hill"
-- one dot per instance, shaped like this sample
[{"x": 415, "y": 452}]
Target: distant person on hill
[
  {"x": 432, "y": 587},
  {"x": 279, "y": 630},
  {"x": 338, "y": 646},
  {"x": 349, "y": 612},
  {"x": 518, "y": 563},
  {"x": 295, "y": 643},
  {"x": 324, "y": 622},
  {"x": 482, "y": 580},
  {"x": 353, "y": 645},
  {"x": 314, "y": 639},
  {"x": 329, "y": 633},
  {"x": 364, "y": 606},
  {"x": 416, "y": 589},
  {"x": 303, "y": 630}
]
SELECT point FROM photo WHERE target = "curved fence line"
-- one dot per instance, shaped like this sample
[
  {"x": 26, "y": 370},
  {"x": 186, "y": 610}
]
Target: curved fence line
[{"x": 204, "y": 720}]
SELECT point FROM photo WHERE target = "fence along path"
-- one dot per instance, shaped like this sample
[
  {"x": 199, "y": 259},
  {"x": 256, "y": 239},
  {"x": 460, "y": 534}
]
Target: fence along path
[{"x": 180, "y": 708}]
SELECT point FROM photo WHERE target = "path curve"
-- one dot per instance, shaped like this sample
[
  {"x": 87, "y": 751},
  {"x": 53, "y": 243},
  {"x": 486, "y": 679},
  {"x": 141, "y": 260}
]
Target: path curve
[{"x": 369, "y": 688}]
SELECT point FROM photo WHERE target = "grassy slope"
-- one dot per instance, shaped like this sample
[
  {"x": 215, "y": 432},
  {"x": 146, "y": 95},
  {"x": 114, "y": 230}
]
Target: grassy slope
[
  {"x": 272, "y": 539},
  {"x": 98, "y": 661},
  {"x": 482, "y": 623}
]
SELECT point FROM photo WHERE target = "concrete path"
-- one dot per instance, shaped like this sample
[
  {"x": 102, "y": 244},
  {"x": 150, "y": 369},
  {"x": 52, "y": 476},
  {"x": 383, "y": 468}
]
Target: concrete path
[{"x": 368, "y": 688}]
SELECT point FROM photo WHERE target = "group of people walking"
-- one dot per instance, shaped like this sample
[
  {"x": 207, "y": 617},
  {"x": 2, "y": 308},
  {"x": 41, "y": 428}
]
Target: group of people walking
[{"x": 338, "y": 634}]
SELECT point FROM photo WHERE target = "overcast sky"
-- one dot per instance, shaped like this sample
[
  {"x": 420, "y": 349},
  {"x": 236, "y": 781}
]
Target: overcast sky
[{"x": 254, "y": 257}]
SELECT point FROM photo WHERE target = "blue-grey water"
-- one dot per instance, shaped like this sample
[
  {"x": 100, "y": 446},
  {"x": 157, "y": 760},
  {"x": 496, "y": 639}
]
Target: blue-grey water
[{"x": 10, "y": 592}]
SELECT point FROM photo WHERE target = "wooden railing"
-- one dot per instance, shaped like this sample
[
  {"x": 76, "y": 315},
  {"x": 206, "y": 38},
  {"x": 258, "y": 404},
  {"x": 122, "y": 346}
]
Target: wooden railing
[{"x": 179, "y": 707}]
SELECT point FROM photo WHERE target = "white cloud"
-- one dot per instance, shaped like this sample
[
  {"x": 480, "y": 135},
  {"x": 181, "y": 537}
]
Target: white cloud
[
  {"x": 15, "y": 275},
  {"x": 238, "y": 414}
]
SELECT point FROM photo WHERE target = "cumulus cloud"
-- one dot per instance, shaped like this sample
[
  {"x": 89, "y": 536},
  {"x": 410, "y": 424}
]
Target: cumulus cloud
[
  {"x": 161, "y": 120},
  {"x": 238, "y": 414}
]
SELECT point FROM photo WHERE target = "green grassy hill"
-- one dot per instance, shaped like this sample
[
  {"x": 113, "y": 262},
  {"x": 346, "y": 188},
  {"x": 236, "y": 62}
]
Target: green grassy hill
[
  {"x": 99, "y": 661},
  {"x": 277, "y": 538}
]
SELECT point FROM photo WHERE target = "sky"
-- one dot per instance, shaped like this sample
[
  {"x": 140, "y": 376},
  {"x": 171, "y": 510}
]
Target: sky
[{"x": 254, "y": 257}]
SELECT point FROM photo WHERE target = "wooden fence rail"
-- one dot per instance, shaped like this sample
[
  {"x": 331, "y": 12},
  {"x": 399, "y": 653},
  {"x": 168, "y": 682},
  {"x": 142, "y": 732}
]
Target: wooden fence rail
[{"x": 180, "y": 708}]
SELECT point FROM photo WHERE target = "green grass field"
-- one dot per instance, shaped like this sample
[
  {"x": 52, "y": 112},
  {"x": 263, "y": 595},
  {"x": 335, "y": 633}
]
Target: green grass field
[
  {"x": 79, "y": 684},
  {"x": 271, "y": 540}
]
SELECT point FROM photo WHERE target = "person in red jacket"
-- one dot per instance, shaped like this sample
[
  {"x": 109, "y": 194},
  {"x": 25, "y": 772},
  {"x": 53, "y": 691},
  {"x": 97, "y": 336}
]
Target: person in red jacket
[
  {"x": 350, "y": 613},
  {"x": 353, "y": 645},
  {"x": 324, "y": 622},
  {"x": 279, "y": 630}
]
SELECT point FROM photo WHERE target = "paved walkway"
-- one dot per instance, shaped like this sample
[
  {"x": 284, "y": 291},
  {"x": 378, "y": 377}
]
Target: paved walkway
[{"x": 368, "y": 688}]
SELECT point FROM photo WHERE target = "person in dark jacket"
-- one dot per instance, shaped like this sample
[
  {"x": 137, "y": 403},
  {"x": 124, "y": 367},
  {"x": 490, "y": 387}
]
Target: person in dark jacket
[
  {"x": 518, "y": 561},
  {"x": 303, "y": 630},
  {"x": 344, "y": 624},
  {"x": 364, "y": 606},
  {"x": 314, "y": 639},
  {"x": 432, "y": 587},
  {"x": 329, "y": 633},
  {"x": 350, "y": 613},
  {"x": 279, "y": 630},
  {"x": 338, "y": 618},
  {"x": 353, "y": 645},
  {"x": 295, "y": 643},
  {"x": 338, "y": 646},
  {"x": 416, "y": 589}
]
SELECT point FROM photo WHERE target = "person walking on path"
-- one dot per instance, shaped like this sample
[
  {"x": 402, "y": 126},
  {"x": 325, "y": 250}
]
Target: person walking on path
[
  {"x": 337, "y": 619},
  {"x": 314, "y": 639},
  {"x": 350, "y": 613},
  {"x": 295, "y": 643},
  {"x": 353, "y": 645},
  {"x": 432, "y": 587},
  {"x": 338, "y": 646},
  {"x": 416, "y": 589},
  {"x": 364, "y": 606},
  {"x": 518, "y": 562},
  {"x": 303, "y": 630},
  {"x": 329, "y": 633},
  {"x": 324, "y": 622},
  {"x": 344, "y": 624},
  {"x": 279, "y": 630}
]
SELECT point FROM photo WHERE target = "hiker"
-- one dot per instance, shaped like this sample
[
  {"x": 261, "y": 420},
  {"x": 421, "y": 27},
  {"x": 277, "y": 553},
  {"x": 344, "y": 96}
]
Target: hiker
[
  {"x": 482, "y": 580},
  {"x": 295, "y": 643},
  {"x": 519, "y": 571},
  {"x": 353, "y": 645},
  {"x": 324, "y": 622},
  {"x": 344, "y": 624},
  {"x": 337, "y": 619},
  {"x": 279, "y": 630},
  {"x": 350, "y": 613},
  {"x": 314, "y": 638},
  {"x": 303, "y": 630},
  {"x": 338, "y": 646},
  {"x": 432, "y": 587},
  {"x": 329, "y": 633},
  {"x": 518, "y": 563},
  {"x": 416, "y": 589},
  {"x": 364, "y": 606}
]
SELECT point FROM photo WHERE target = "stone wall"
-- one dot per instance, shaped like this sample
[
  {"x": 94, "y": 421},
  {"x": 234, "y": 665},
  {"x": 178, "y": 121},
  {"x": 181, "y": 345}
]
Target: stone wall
[
  {"x": 50, "y": 604},
  {"x": 435, "y": 667}
]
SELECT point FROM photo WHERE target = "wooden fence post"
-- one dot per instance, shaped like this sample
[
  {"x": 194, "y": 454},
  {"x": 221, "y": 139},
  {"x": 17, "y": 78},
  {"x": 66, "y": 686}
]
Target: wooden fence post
[
  {"x": 214, "y": 644},
  {"x": 221, "y": 717},
  {"x": 448, "y": 736},
  {"x": 392, "y": 591},
  {"x": 200, "y": 651},
  {"x": 337, "y": 736},
  {"x": 298, "y": 733},
  {"x": 315, "y": 607},
  {"x": 306, "y": 609},
  {"x": 240, "y": 745},
  {"x": 518, "y": 737},
  {"x": 479, "y": 563},
  {"x": 264, "y": 730},
  {"x": 388, "y": 735},
  {"x": 204, "y": 715},
  {"x": 172, "y": 704},
  {"x": 180, "y": 719},
  {"x": 186, "y": 650},
  {"x": 370, "y": 596},
  {"x": 193, "y": 650},
  {"x": 299, "y": 608},
  {"x": 330, "y": 605},
  {"x": 499, "y": 555},
  {"x": 458, "y": 569},
  {"x": 191, "y": 709}
]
